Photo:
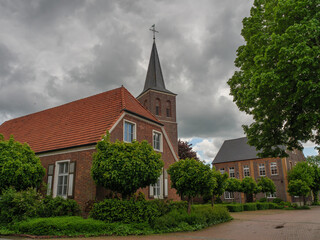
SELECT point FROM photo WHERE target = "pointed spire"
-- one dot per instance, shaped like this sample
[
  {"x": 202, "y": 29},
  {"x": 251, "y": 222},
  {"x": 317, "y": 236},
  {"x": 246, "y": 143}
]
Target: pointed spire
[{"x": 154, "y": 78}]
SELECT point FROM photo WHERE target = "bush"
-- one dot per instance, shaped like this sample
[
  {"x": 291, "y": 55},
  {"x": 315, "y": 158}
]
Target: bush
[
  {"x": 235, "y": 207},
  {"x": 250, "y": 207},
  {"x": 262, "y": 205},
  {"x": 115, "y": 210},
  {"x": 17, "y": 206},
  {"x": 166, "y": 206},
  {"x": 54, "y": 207},
  {"x": 277, "y": 200},
  {"x": 263, "y": 200},
  {"x": 273, "y": 206}
]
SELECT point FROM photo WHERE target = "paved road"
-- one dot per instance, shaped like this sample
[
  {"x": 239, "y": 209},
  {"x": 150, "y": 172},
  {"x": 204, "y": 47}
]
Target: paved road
[{"x": 257, "y": 225}]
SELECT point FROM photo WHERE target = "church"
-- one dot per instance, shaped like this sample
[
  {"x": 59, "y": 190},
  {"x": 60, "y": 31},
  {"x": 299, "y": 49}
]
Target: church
[{"x": 64, "y": 137}]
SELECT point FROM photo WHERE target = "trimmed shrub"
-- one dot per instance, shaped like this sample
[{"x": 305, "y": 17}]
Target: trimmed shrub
[
  {"x": 277, "y": 200},
  {"x": 115, "y": 210},
  {"x": 17, "y": 206},
  {"x": 235, "y": 207},
  {"x": 263, "y": 200},
  {"x": 250, "y": 207},
  {"x": 262, "y": 205},
  {"x": 273, "y": 206},
  {"x": 58, "y": 206}
]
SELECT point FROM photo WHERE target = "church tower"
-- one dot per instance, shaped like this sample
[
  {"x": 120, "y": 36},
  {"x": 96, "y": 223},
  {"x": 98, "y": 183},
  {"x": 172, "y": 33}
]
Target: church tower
[{"x": 159, "y": 100}]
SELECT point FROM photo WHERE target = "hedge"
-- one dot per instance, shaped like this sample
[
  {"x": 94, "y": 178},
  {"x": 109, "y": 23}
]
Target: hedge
[
  {"x": 250, "y": 207},
  {"x": 235, "y": 207}
]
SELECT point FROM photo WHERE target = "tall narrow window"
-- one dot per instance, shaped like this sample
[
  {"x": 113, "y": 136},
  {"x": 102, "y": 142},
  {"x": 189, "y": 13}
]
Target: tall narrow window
[
  {"x": 129, "y": 131},
  {"x": 158, "y": 107},
  {"x": 157, "y": 141},
  {"x": 168, "y": 109},
  {"x": 231, "y": 172},
  {"x": 246, "y": 171},
  {"x": 63, "y": 173},
  {"x": 262, "y": 169},
  {"x": 274, "y": 168}
]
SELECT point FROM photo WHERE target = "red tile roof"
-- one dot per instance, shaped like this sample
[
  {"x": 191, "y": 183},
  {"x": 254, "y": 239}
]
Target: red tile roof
[{"x": 74, "y": 124}]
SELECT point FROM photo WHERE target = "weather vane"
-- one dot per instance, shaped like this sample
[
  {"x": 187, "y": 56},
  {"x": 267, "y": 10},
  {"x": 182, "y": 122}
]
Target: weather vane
[{"x": 153, "y": 29}]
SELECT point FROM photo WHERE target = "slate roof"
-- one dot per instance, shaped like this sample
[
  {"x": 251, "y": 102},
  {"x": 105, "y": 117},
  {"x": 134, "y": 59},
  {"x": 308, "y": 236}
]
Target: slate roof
[
  {"x": 77, "y": 123},
  {"x": 235, "y": 150},
  {"x": 154, "y": 78}
]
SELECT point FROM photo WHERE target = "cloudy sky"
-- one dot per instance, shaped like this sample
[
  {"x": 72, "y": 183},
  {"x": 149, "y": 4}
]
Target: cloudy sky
[{"x": 53, "y": 52}]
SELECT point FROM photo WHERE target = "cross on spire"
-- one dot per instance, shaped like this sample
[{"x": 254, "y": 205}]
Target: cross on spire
[{"x": 153, "y": 29}]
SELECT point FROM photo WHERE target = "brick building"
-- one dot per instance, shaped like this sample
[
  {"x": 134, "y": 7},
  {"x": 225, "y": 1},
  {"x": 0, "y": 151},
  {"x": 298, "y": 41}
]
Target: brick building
[
  {"x": 64, "y": 137},
  {"x": 239, "y": 159}
]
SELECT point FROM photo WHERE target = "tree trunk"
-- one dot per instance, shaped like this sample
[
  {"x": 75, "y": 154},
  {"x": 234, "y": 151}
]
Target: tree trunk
[
  {"x": 315, "y": 196},
  {"x": 212, "y": 201},
  {"x": 189, "y": 205}
]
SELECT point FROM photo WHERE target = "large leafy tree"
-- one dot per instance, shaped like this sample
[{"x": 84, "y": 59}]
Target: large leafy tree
[
  {"x": 191, "y": 178},
  {"x": 249, "y": 187},
  {"x": 221, "y": 182},
  {"x": 299, "y": 188},
  {"x": 278, "y": 81},
  {"x": 314, "y": 163},
  {"x": 233, "y": 185},
  {"x": 19, "y": 166},
  {"x": 185, "y": 150},
  {"x": 125, "y": 167}
]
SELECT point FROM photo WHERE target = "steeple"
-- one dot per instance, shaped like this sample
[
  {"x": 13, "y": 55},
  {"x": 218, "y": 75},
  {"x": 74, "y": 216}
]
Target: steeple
[{"x": 154, "y": 78}]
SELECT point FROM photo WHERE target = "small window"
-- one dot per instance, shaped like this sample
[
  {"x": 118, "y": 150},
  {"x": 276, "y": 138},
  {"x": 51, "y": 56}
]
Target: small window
[
  {"x": 228, "y": 195},
  {"x": 158, "y": 107},
  {"x": 157, "y": 141},
  {"x": 262, "y": 169},
  {"x": 271, "y": 195},
  {"x": 168, "y": 109},
  {"x": 246, "y": 171},
  {"x": 63, "y": 174},
  {"x": 274, "y": 168},
  {"x": 221, "y": 170},
  {"x": 129, "y": 131},
  {"x": 231, "y": 172}
]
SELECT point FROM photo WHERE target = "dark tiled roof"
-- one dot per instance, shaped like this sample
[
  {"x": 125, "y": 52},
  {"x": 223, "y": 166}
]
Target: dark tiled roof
[
  {"x": 235, "y": 150},
  {"x": 73, "y": 124},
  {"x": 154, "y": 78}
]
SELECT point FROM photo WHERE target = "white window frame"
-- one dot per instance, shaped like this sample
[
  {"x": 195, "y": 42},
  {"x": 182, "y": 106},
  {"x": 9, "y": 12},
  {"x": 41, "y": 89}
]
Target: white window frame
[
  {"x": 262, "y": 168},
  {"x": 269, "y": 195},
  {"x": 158, "y": 188},
  {"x": 154, "y": 132},
  {"x": 246, "y": 168},
  {"x": 272, "y": 166},
  {"x": 233, "y": 172},
  {"x": 222, "y": 170},
  {"x": 134, "y": 130},
  {"x": 228, "y": 195},
  {"x": 56, "y": 176}
]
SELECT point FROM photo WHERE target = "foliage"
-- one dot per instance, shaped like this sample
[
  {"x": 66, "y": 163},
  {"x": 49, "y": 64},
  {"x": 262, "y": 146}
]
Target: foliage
[
  {"x": 266, "y": 185},
  {"x": 262, "y": 205},
  {"x": 298, "y": 188},
  {"x": 250, "y": 207},
  {"x": 125, "y": 167},
  {"x": 264, "y": 199},
  {"x": 235, "y": 207},
  {"x": 277, "y": 200},
  {"x": 233, "y": 185},
  {"x": 19, "y": 166},
  {"x": 221, "y": 180},
  {"x": 191, "y": 178},
  {"x": 278, "y": 78},
  {"x": 301, "y": 171},
  {"x": 249, "y": 187},
  {"x": 314, "y": 163},
  {"x": 185, "y": 150},
  {"x": 17, "y": 206},
  {"x": 58, "y": 206}
]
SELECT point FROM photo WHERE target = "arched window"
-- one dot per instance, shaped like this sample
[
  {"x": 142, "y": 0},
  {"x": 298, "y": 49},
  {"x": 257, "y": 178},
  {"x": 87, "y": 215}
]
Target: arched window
[
  {"x": 145, "y": 104},
  {"x": 158, "y": 107},
  {"x": 168, "y": 109}
]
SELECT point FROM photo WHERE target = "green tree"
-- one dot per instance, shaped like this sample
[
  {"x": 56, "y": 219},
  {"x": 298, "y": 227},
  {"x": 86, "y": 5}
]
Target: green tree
[
  {"x": 299, "y": 188},
  {"x": 266, "y": 185},
  {"x": 191, "y": 178},
  {"x": 219, "y": 187},
  {"x": 314, "y": 162},
  {"x": 19, "y": 166},
  {"x": 249, "y": 187},
  {"x": 278, "y": 77},
  {"x": 233, "y": 185},
  {"x": 125, "y": 167}
]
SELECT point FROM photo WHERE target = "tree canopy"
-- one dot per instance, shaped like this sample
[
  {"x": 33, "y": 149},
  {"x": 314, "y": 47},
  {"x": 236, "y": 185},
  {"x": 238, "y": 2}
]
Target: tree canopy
[
  {"x": 249, "y": 187},
  {"x": 266, "y": 185},
  {"x": 19, "y": 166},
  {"x": 278, "y": 81},
  {"x": 233, "y": 185},
  {"x": 185, "y": 150},
  {"x": 125, "y": 167},
  {"x": 191, "y": 178}
]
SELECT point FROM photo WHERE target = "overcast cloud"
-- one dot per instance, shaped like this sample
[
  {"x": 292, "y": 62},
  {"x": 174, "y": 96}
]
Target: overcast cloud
[{"x": 53, "y": 52}]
